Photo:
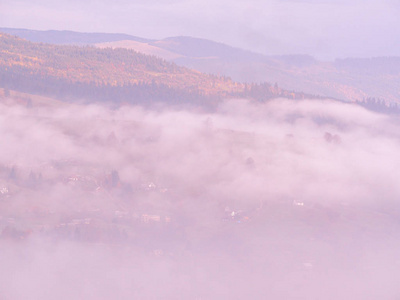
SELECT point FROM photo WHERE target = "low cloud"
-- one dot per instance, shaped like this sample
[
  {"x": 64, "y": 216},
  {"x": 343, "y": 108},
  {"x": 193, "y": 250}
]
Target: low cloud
[{"x": 281, "y": 200}]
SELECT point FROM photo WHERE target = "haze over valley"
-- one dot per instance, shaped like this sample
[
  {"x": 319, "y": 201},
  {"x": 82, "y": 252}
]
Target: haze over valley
[
  {"x": 207, "y": 151},
  {"x": 285, "y": 199}
]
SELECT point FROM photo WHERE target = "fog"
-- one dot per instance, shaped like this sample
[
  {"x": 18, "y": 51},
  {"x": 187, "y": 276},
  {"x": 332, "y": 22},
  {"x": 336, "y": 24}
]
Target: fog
[{"x": 277, "y": 200}]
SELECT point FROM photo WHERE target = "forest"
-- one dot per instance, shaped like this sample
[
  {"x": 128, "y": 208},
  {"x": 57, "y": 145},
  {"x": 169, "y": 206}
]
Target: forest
[{"x": 120, "y": 76}]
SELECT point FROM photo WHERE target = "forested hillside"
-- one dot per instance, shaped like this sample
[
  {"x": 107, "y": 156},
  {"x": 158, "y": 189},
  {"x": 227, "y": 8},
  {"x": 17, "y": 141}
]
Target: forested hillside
[
  {"x": 117, "y": 75},
  {"x": 105, "y": 73},
  {"x": 350, "y": 79}
]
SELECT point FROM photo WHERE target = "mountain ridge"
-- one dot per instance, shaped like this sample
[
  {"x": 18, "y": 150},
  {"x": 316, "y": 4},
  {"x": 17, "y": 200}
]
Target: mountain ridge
[
  {"x": 341, "y": 79},
  {"x": 69, "y": 37},
  {"x": 116, "y": 75}
]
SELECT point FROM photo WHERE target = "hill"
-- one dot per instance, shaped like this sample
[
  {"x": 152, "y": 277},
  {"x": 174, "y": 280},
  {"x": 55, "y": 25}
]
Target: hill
[
  {"x": 117, "y": 75},
  {"x": 66, "y": 37},
  {"x": 63, "y": 70},
  {"x": 351, "y": 79}
]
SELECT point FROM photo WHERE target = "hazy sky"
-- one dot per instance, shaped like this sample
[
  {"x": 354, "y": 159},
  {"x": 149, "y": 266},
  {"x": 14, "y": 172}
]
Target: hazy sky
[{"x": 325, "y": 28}]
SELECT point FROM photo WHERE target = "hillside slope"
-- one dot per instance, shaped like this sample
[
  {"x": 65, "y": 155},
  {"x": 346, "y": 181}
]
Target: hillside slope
[
  {"x": 28, "y": 66},
  {"x": 115, "y": 75},
  {"x": 352, "y": 79}
]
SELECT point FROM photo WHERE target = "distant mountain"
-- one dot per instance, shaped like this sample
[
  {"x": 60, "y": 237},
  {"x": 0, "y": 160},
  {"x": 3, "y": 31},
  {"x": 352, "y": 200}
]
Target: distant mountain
[
  {"x": 352, "y": 79},
  {"x": 66, "y": 37},
  {"x": 146, "y": 48},
  {"x": 370, "y": 66},
  {"x": 180, "y": 46},
  {"x": 191, "y": 47},
  {"x": 89, "y": 72},
  {"x": 115, "y": 75}
]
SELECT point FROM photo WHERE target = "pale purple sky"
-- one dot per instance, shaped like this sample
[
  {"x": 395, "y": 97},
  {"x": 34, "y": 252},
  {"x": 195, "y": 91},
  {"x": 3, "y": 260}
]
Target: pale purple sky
[{"x": 324, "y": 28}]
